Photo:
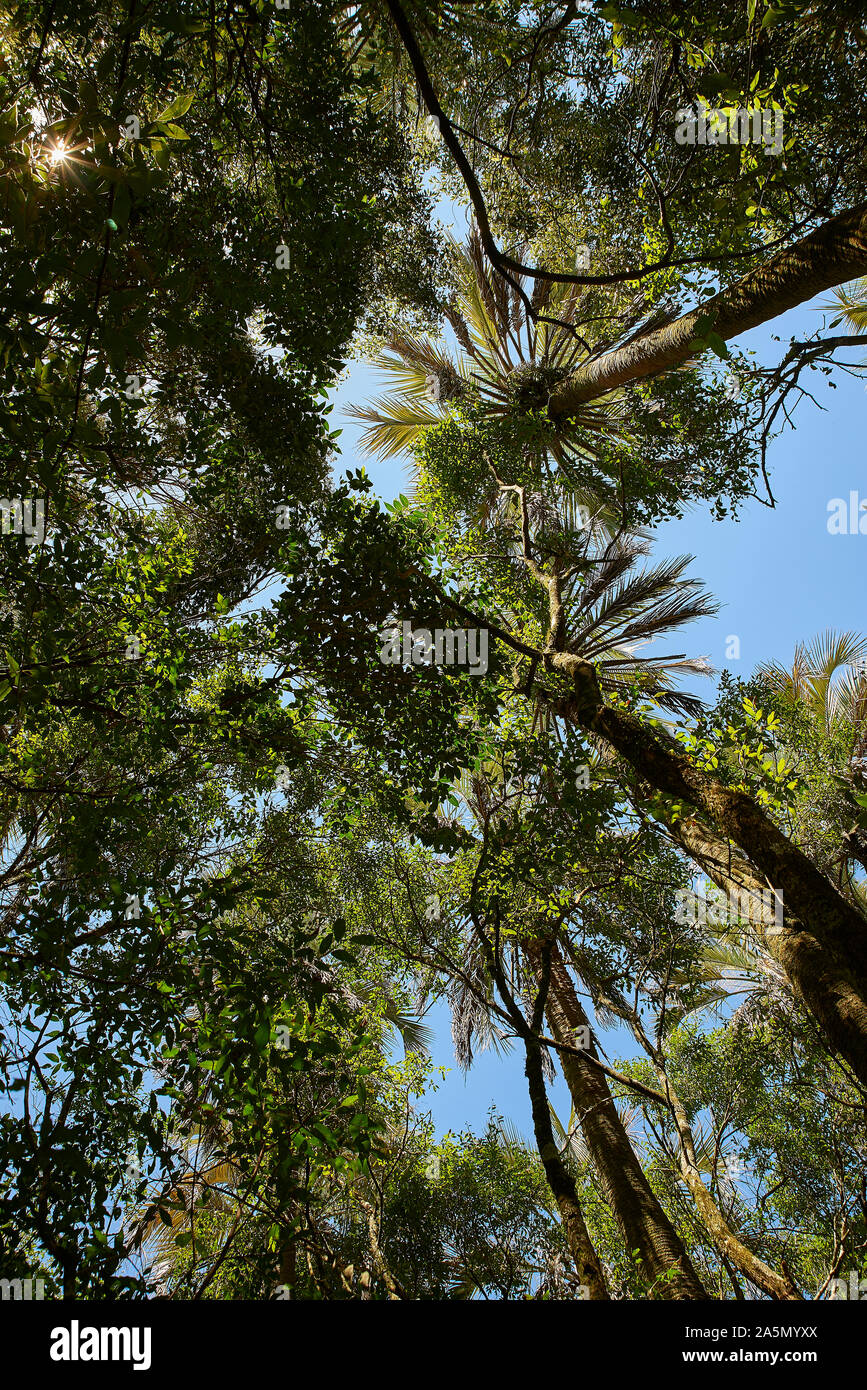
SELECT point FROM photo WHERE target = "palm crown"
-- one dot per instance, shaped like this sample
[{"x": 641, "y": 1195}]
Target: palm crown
[
  {"x": 828, "y": 677},
  {"x": 504, "y": 356}
]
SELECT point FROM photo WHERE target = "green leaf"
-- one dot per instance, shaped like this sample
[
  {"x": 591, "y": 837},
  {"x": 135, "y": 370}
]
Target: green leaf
[
  {"x": 8, "y": 125},
  {"x": 178, "y": 107},
  {"x": 160, "y": 151},
  {"x": 89, "y": 96}
]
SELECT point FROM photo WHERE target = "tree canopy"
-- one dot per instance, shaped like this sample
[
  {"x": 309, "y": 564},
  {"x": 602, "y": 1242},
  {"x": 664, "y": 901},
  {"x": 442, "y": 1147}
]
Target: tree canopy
[{"x": 287, "y": 766}]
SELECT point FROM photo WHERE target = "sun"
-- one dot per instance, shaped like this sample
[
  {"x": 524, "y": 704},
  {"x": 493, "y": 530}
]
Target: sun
[{"x": 58, "y": 153}]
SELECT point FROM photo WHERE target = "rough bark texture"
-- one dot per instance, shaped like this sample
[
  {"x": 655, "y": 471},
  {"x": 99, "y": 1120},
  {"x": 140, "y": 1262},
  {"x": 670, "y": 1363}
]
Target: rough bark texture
[
  {"x": 837, "y": 252},
  {"x": 560, "y": 1180},
  {"x": 729, "y": 871},
  {"x": 714, "y": 854},
  {"x": 822, "y": 945},
  {"x": 644, "y": 1224}
]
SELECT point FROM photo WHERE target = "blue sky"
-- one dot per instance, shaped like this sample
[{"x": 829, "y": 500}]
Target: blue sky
[{"x": 779, "y": 576}]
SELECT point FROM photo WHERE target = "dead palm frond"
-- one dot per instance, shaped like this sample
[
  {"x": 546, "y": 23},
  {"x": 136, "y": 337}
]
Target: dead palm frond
[{"x": 470, "y": 999}]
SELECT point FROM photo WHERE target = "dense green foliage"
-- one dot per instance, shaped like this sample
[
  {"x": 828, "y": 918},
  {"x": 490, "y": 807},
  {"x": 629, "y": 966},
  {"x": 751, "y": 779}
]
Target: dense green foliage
[{"x": 242, "y": 854}]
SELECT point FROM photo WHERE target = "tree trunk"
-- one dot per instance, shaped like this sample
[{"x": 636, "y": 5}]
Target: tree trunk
[
  {"x": 730, "y": 1246},
  {"x": 822, "y": 944},
  {"x": 639, "y": 1214},
  {"x": 837, "y": 252},
  {"x": 288, "y": 1271},
  {"x": 560, "y": 1180}
]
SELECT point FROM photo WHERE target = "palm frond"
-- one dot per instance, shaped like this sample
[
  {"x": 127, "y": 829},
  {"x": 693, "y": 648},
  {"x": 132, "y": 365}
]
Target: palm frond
[
  {"x": 571, "y": 1138},
  {"x": 827, "y": 675},
  {"x": 851, "y": 302},
  {"x": 417, "y": 1036},
  {"x": 394, "y": 423},
  {"x": 499, "y": 343}
]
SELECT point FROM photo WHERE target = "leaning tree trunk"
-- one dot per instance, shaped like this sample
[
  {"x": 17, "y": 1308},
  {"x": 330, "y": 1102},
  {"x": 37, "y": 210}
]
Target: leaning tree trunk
[
  {"x": 560, "y": 1180},
  {"x": 822, "y": 943},
  {"x": 727, "y": 1242},
  {"x": 837, "y": 252},
  {"x": 638, "y": 1212},
  {"x": 778, "y": 1286}
]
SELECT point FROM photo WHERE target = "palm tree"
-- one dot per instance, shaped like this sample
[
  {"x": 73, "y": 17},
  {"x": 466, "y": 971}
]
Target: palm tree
[
  {"x": 504, "y": 358},
  {"x": 851, "y": 302},
  {"x": 828, "y": 677},
  {"x": 730, "y": 960},
  {"x": 612, "y": 609},
  {"x": 828, "y": 680}
]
